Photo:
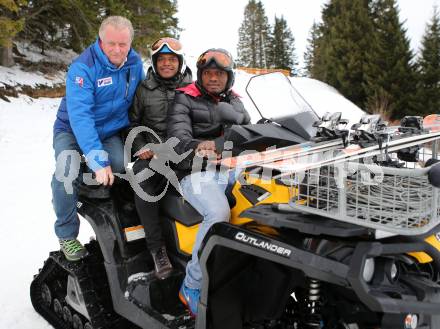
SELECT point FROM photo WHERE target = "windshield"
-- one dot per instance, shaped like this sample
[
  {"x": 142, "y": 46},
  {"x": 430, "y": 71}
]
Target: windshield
[{"x": 274, "y": 96}]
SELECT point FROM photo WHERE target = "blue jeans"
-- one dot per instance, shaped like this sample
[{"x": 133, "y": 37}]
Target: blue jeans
[
  {"x": 205, "y": 191},
  {"x": 68, "y": 174}
]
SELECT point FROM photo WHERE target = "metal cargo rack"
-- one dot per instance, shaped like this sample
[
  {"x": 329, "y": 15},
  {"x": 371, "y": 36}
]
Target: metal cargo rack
[{"x": 398, "y": 200}]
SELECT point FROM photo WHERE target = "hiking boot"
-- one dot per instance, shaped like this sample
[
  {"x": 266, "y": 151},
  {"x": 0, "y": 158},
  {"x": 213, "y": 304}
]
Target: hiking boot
[
  {"x": 73, "y": 250},
  {"x": 162, "y": 264},
  {"x": 190, "y": 298}
]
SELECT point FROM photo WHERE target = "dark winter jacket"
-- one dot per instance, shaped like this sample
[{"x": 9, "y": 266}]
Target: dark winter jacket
[
  {"x": 98, "y": 96},
  {"x": 196, "y": 117},
  {"x": 150, "y": 106}
]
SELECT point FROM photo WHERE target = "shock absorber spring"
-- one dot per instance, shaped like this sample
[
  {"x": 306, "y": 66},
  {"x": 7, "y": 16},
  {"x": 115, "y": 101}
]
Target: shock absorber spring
[{"x": 314, "y": 318}]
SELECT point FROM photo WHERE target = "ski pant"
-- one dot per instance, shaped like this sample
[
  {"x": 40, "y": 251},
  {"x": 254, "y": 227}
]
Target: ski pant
[
  {"x": 148, "y": 210},
  {"x": 64, "y": 196},
  {"x": 205, "y": 191}
]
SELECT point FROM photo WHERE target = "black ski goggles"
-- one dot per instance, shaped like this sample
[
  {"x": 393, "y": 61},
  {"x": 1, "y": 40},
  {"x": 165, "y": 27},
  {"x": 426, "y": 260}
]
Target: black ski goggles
[
  {"x": 221, "y": 57},
  {"x": 174, "y": 45}
]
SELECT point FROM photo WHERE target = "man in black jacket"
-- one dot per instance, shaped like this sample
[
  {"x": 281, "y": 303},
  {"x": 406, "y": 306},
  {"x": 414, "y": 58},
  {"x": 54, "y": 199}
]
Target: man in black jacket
[
  {"x": 150, "y": 107},
  {"x": 197, "y": 118}
]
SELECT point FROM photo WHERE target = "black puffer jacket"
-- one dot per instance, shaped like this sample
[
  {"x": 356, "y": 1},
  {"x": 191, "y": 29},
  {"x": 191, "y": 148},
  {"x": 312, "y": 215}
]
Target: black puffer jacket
[
  {"x": 150, "y": 106},
  {"x": 196, "y": 116}
]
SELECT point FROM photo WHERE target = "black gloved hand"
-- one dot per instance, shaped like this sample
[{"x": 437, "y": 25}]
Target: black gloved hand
[{"x": 226, "y": 114}]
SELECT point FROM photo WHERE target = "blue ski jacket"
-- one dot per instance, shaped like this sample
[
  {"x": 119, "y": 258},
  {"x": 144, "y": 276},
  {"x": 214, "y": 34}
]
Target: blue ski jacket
[{"x": 98, "y": 96}]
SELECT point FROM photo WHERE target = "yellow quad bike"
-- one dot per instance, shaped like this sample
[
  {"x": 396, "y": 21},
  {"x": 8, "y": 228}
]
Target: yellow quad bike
[{"x": 284, "y": 261}]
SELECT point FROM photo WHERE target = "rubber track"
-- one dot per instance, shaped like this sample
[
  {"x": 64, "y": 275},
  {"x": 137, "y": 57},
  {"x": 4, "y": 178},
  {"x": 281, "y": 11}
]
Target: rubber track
[{"x": 91, "y": 276}]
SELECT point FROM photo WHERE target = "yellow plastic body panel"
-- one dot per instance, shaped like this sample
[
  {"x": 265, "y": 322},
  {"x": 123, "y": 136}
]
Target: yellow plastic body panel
[
  {"x": 278, "y": 194},
  {"x": 433, "y": 240},
  {"x": 186, "y": 236},
  {"x": 423, "y": 257}
]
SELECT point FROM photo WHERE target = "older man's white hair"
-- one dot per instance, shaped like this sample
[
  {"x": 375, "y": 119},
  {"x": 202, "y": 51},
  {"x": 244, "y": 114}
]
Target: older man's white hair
[{"x": 119, "y": 23}]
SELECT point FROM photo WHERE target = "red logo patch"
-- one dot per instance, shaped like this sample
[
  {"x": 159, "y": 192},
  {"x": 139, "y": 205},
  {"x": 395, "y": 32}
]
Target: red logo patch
[{"x": 79, "y": 81}]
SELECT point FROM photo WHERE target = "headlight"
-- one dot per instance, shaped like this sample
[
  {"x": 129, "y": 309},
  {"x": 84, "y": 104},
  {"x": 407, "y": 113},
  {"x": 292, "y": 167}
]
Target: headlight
[
  {"x": 393, "y": 271},
  {"x": 368, "y": 272}
]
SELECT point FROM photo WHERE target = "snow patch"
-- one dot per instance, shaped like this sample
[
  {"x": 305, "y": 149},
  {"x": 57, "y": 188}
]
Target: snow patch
[
  {"x": 33, "y": 54},
  {"x": 15, "y": 76}
]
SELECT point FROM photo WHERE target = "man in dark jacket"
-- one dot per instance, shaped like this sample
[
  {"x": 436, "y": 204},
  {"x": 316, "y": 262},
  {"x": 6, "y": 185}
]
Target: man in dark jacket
[
  {"x": 150, "y": 107},
  {"x": 100, "y": 86},
  {"x": 197, "y": 118}
]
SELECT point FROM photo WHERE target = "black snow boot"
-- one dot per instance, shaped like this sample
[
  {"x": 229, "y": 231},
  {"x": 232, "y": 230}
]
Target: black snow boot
[{"x": 162, "y": 264}]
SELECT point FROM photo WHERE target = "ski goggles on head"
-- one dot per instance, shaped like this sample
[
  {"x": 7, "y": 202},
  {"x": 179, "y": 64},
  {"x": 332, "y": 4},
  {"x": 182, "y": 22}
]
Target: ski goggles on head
[
  {"x": 221, "y": 57},
  {"x": 174, "y": 45}
]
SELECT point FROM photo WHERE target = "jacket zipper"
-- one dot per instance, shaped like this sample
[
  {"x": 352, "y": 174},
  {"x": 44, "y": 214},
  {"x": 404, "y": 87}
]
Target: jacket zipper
[{"x": 127, "y": 85}]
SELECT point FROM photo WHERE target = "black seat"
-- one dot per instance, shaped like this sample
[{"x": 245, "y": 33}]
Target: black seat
[{"x": 173, "y": 205}]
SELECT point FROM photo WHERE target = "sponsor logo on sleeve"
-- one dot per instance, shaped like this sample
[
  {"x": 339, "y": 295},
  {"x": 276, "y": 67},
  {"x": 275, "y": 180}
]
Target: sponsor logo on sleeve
[
  {"x": 105, "y": 82},
  {"x": 79, "y": 81}
]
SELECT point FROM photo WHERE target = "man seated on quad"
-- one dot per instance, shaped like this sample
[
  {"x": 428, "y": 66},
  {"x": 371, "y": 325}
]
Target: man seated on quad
[
  {"x": 197, "y": 119},
  {"x": 100, "y": 87},
  {"x": 149, "y": 109}
]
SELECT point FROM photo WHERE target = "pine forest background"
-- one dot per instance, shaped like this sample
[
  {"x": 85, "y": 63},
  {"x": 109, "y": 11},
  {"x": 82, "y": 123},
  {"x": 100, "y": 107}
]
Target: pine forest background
[{"x": 360, "y": 47}]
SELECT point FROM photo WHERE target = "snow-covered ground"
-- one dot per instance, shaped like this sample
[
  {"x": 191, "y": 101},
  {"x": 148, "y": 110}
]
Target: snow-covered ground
[{"x": 26, "y": 166}]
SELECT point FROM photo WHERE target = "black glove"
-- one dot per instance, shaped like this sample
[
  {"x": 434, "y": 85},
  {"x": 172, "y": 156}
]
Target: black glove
[{"x": 226, "y": 114}]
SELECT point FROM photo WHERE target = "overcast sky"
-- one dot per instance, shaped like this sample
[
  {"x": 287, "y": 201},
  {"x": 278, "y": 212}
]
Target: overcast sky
[{"x": 215, "y": 23}]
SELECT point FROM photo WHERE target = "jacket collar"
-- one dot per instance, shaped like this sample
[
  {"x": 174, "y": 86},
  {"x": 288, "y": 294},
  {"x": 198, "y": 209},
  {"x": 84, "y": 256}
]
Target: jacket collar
[
  {"x": 191, "y": 90},
  {"x": 194, "y": 91}
]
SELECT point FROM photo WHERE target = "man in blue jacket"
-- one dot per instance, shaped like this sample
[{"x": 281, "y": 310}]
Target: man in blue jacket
[{"x": 100, "y": 87}]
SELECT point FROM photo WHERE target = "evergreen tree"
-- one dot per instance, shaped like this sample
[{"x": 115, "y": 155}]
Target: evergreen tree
[
  {"x": 10, "y": 25},
  {"x": 68, "y": 23},
  {"x": 428, "y": 96},
  {"x": 263, "y": 44},
  {"x": 282, "y": 51},
  {"x": 247, "y": 37},
  {"x": 254, "y": 36},
  {"x": 390, "y": 77},
  {"x": 311, "y": 49},
  {"x": 151, "y": 20},
  {"x": 346, "y": 35},
  {"x": 74, "y": 23},
  {"x": 83, "y": 27}
]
